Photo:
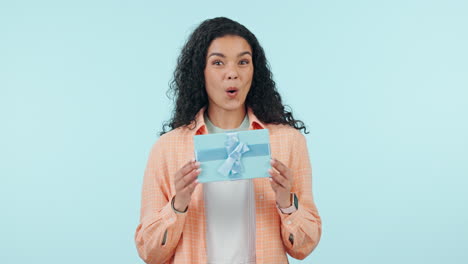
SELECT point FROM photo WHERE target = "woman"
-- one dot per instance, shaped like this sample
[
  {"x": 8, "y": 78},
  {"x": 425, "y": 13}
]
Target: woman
[{"x": 222, "y": 82}]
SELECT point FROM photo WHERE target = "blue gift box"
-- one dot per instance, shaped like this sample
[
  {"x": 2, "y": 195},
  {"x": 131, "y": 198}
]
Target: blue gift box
[{"x": 233, "y": 155}]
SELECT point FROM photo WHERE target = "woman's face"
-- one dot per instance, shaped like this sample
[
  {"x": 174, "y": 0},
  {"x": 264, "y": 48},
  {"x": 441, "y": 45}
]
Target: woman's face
[{"x": 228, "y": 72}]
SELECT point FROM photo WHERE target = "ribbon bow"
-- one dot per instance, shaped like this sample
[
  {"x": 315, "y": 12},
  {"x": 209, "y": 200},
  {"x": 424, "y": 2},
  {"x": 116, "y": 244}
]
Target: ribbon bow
[{"x": 232, "y": 165}]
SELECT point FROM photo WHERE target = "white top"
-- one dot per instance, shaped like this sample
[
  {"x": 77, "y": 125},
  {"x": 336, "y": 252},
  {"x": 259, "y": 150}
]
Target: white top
[{"x": 230, "y": 215}]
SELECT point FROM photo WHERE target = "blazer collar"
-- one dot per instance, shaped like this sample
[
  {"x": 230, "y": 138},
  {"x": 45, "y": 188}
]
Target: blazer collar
[{"x": 201, "y": 129}]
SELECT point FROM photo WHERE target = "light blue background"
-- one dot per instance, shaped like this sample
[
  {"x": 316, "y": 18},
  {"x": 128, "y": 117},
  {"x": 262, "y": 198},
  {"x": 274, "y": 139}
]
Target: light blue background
[{"x": 382, "y": 86}]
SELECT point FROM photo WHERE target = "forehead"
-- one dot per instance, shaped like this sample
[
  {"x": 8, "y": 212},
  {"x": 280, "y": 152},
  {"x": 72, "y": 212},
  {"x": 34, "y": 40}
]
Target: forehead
[{"x": 229, "y": 45}]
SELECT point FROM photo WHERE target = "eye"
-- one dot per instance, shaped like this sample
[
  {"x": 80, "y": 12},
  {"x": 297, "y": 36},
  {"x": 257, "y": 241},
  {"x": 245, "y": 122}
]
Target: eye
[
  {"x": 244, "y": 62},
  {"x": 217, "y": 62}
]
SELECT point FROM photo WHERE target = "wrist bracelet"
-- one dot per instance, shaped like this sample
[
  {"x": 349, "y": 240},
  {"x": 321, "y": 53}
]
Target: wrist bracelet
[{"x": 175, "y": 210}]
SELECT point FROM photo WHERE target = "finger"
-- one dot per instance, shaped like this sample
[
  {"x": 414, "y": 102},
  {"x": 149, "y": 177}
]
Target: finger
[
  {"x": 283, "y": 169},
  {"x": 280, "y": 180},
  {"x": 187, "y": 168},
  {"x": 191, "y": 188},
  {"x": 191, "y": 177},
  {"x": 273, "y": 184},
  {"x": 278, "y": 165},
  {"x": 179, "y": 184},
  {"x": 181, "y": 171},
  {"x": 180, "y": 180}
]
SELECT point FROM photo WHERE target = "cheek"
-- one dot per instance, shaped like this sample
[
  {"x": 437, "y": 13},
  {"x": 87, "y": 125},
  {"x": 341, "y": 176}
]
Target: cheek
[
  {"x": 211, "y": 86},
  {"x": 248, "y": 77},
  {"x": 210, "y": 79}
]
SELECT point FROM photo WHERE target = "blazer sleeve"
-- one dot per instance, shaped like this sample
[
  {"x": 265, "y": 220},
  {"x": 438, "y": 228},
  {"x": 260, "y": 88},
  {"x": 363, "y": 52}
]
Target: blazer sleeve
[
  {"x": 160, "y": 228},
  {"x": 301, "y": 230}
]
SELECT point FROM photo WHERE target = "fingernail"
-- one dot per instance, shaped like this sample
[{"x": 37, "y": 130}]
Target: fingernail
[
  {"x": 199, "y": 169},
  {"x": 272, "y": 161},
  {"x": 197, "y": 164}
]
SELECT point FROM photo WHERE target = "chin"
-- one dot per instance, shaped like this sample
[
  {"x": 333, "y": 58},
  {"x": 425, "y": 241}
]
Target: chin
[
  {"x": 232, "y": 107},
  {"x": 228, "y": 105},
  {"x": 235, "y": 106}
]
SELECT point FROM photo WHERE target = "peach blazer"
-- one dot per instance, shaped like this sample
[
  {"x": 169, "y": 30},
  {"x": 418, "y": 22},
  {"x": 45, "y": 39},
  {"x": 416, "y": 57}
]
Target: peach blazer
[{"x": 164, "y": 236}]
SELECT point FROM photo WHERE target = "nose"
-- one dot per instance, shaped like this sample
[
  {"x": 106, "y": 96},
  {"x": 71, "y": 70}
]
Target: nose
[{"x": 232, "y": 73}]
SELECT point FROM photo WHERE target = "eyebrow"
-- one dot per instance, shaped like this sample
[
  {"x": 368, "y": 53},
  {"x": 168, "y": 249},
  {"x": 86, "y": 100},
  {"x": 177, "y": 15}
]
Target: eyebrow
[{"x": 224, "y": 56}]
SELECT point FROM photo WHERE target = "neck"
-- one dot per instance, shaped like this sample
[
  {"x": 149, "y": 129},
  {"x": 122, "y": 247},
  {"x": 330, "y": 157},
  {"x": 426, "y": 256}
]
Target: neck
[{"x": 225, "y": 119}]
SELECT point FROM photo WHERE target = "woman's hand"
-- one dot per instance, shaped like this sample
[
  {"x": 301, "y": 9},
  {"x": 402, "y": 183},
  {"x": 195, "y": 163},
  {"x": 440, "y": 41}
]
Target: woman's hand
[
  {"x": 185, "y": 181},
  {"x": 281, "y": 181}
]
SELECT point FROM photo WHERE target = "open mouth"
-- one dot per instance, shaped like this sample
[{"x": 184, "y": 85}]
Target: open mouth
[{"x": 232, "y": 90}]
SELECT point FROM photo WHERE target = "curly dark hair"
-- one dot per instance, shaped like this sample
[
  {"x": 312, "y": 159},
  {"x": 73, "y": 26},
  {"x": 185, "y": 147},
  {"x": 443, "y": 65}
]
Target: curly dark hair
[{"x": 187, "y": 89}]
